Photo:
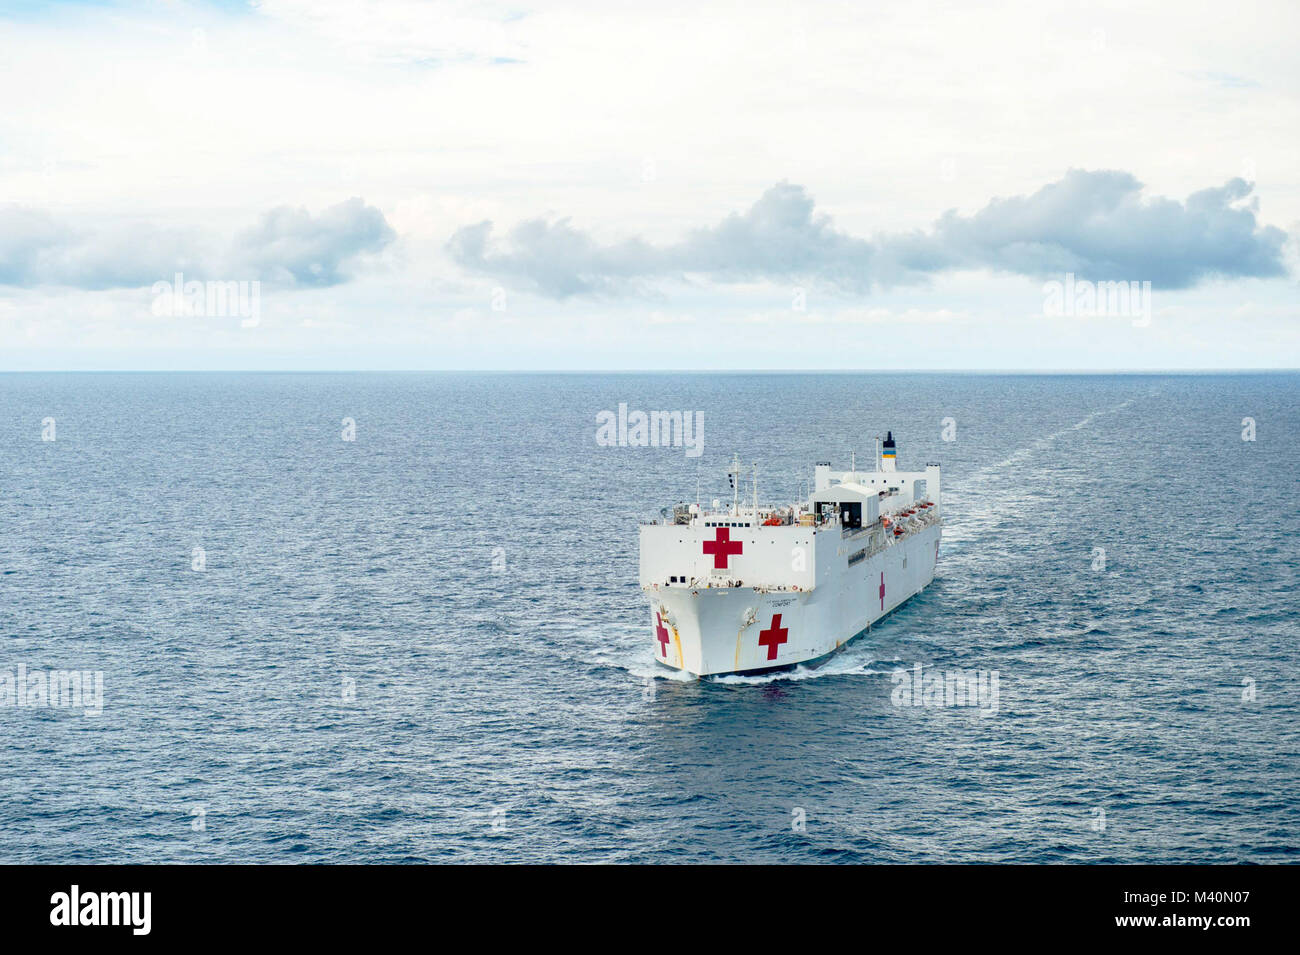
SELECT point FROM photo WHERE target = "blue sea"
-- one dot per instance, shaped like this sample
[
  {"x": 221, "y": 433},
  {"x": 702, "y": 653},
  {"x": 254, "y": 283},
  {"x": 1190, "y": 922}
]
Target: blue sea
[{"x": 427, "y": 643}]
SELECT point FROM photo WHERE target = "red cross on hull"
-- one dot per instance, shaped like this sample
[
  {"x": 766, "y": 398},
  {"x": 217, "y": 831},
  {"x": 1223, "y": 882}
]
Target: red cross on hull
[
  {"x": 773, "y": 636},
  {"x": 723, "y": 547},
  {"x": 661, "y": 634}
]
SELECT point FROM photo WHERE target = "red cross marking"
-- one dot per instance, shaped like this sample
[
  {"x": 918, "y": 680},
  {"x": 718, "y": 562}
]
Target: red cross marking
[
  {"x": 661, "y": 634},
  {"x": 773, "y": 636},
  {"x": 882, "y": 590},
  {"x": 722, "y": 548}
]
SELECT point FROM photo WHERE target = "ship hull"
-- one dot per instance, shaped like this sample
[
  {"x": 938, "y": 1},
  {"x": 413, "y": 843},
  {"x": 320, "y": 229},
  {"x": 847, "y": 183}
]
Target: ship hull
[{"x": 743, "y": 630}]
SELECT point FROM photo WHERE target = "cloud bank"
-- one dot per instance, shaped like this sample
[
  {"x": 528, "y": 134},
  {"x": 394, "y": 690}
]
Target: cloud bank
[
  {"x": 1095, "y": 224},
  {"x": 291, "y": 247},
  {"x": 287, "y": 247}
]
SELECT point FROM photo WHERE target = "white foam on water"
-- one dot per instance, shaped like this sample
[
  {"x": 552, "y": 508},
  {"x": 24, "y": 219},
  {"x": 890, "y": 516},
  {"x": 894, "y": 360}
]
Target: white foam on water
[
  {"x": 854, "y": 660},
  {"x": 977, "y": 515},
  {"x": 798, "y": 674},
  {"x": 1043, "y": 444},
  {"x": 650, "y": 670}
]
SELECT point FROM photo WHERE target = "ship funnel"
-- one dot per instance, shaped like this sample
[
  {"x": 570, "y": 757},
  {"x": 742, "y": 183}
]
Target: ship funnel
[{"x": 888, "y": 453}]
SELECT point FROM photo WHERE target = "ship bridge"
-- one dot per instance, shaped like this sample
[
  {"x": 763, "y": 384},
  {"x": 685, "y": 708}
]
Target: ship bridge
[
  {"x": 894, "y": 490},
  {"x": 855, "y": 504}
]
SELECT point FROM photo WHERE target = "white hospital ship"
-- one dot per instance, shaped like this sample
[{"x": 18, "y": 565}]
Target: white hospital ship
[{"x": 753, "y": 588}]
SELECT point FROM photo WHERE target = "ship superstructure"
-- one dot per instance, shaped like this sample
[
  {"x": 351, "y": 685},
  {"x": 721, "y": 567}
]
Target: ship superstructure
[{"x": 749, "y": 588}]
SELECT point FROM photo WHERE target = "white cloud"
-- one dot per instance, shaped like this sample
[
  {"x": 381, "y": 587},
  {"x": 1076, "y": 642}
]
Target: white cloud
[
  {"x": 1097, "y": 224},
  {"x": 287, "y": 246},
  {"x": 127, "y": 124}
]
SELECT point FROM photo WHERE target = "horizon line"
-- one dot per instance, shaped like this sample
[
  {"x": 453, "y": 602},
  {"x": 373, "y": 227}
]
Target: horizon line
[{"x": 646, "y": 371}]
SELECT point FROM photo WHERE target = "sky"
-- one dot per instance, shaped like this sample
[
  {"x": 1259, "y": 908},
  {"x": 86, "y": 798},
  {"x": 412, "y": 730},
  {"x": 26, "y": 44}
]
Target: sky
[{"x": 316, "y": 184}]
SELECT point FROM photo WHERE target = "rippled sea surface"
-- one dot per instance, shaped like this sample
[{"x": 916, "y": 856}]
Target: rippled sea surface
[{"x": 428, "y": 644}]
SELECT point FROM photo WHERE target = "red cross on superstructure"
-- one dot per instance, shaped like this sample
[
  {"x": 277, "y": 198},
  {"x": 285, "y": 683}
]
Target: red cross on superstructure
[
  {"x": 722, "y": 548},
  {"x": 773, "y": 636},
  {"x": 882, "y": 590},
  {"x": 661, "y": 634}
]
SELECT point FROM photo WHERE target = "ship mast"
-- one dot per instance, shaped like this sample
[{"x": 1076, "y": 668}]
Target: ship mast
[{"x": 734, "y": 473}]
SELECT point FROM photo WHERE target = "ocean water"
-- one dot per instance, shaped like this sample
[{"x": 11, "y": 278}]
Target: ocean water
[{"x": 428, "y": 644}]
